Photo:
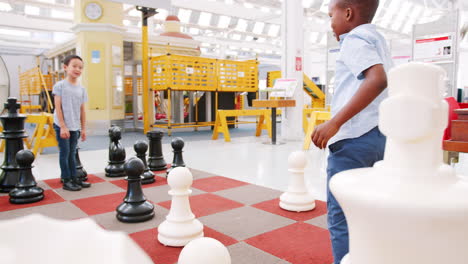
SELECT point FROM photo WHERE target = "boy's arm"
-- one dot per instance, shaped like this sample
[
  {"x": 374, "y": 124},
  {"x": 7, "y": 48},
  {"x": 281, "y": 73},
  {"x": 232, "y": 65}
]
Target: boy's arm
[
  {"x": 83, "y": 122},
  {"x": 374, "y": 83},
  {"x": 64, "y": 133}
]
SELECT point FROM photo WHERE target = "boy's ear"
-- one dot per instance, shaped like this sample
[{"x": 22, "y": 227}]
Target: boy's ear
[{"x": 349, "y": 14}]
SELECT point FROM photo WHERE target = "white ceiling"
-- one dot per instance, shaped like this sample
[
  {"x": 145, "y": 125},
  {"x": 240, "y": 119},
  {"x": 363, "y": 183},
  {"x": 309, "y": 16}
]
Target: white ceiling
[{"x": 243, "y": 27}]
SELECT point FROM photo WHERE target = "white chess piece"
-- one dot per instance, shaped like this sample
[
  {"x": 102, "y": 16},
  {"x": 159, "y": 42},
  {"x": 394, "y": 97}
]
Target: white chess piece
[
  {"x": 204, "y": 250},
  {"x": 180, "y": 226},
  {"x": 297, "y": 198},
  {"x": 410, "y": 207}
]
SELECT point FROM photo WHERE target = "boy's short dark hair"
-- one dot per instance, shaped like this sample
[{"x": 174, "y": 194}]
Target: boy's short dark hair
[
  {"x": 67, "y": 59},
  {"x": 367, "y": 8}
]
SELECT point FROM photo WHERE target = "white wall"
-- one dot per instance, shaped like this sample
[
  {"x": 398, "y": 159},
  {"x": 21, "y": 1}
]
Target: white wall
[{"x": 12, "y": 63}]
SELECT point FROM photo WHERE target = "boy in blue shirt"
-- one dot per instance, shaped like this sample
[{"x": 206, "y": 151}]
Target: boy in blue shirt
[{"x": 352, "y": 135}]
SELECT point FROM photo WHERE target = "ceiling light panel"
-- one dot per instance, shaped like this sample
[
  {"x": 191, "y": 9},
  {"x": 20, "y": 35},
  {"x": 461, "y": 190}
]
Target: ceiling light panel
[
  {"x": 324, "y": 7},
  {"x": 402, "y": 16},
  {"x": 224, "y": 21},
  {"x": 5, "y": 7},
  {"x": 194, "y": 31},
  {"x": 273, "y": 31},
  {"x": 258, "y": 28},
  {"x": 31, "y": 10},
  {"x": 415, "y": 13},
  {"x": 184, "y": 15},
  {"x": 161, "y": 15},
  {"x": 236, "y": 36},
  {"x": 241, "y": 25},
  {"x": 307, "y": 3},
  {"x": 204, "y": 19}
]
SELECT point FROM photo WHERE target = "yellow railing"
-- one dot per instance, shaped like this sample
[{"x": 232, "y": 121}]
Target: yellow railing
[
  {"x": 186, "y": 73},
  {"x": 129, "y": 85}
]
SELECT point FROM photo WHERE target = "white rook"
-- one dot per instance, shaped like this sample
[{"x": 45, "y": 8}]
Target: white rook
[
  {"x": 180, "y": 226},
  {"x": 204, "y": 250},
  {"x": 297, "y": 198},
  {"x": 410, "y": 207}
]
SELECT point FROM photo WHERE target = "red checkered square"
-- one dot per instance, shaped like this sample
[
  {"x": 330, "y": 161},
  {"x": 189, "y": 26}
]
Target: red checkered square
[
  {"x": 216, "y": 183},
  {"x": 272, "y": 206},
  {"x": 50, "y": 197},
  {"x": 122, "y": 183},
  {"x": 56, "y": 183},
  {"x": 100, "y": 204},
  {"x": 207, "y": 204},
  {"x": 160, "y": 254},
  {"x": 298, "y": 243}
]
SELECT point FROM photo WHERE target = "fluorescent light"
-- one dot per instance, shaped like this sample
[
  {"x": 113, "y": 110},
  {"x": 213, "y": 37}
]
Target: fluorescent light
[
  {"x": 278, "y": 11},
  {"x": 313, "y": 37},
  {"x": 236, "y": 36},
  {"x": 248, "y": 5},
  {"x": 269, "y": 52},
  {"x": 273, "y": 30},
  {"x": 233, "y": 47},
  {"x": 402, "y": 16},
  {"x": 5, "y": 7},
  {"x": 184, "y": 15},
  {"x": 134, "y": 13},
  {"x": 245, "y": 49},
  {"x": 265, "y": 9},
  {"x": 258, "y": 28},
  {"x": 258, "y": 50},
  {"x": 307, "y": 3},
  {"x": 31, "y": 10},
  {"x": 60, "y": 14},
  {"x": 241, "y": 24},
  {"x": 415, "y": 14},
  {"x": 194, "y": 31},
  {"x": 224, "y": 21},
  {"x": 14, "y": 32},
  {"x": 261, "y": 40},
  {"x": 248, "y": 38},
  {"x": 393, "y": 8},
  {"x": 324, "y": 7},
  {"x": 161, "y": 15},
  {"x": 229, "y": 2},
  {"x": 204, "y": 19}
]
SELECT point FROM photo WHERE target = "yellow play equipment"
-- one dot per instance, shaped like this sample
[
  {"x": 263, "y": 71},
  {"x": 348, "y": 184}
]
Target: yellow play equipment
[
  {"x": 34, "y": 83},
  {"x": 221, "y": 123},
  {"x": 312, "y": 115},
  {"x": 187, "y": 73}
]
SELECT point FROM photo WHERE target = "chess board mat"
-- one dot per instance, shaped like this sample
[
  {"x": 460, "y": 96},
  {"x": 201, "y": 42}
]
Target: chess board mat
[{"x": 246, "y": 218}]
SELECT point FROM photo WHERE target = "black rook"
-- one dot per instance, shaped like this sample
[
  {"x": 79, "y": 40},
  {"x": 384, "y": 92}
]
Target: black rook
[{"x": 156, "y": 160}]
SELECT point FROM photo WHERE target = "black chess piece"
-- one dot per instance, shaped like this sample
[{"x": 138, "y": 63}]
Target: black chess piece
[
  {"x": 13, "y": 133},
  {"x": 140, "y": 148},
  {"x": 135, "y": 208},
  {"x": 115, "y": 168},
  {"x": 156, "y": 160},
  {"x": 26, "y": 190},
  {"x": 80, "y": 171},
  {"x": 177, "y": 146}
]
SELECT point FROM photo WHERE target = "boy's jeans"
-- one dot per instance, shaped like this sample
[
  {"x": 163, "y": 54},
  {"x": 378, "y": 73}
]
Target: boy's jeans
[
  {"x": 67, "y": 154},
  {"x": 348, "y": 154}
]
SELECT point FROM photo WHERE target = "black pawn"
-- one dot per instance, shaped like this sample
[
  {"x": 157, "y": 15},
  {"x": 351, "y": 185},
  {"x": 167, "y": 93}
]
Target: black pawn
[
  {"x": 135, "y": 208},
  {"x": 177, "y": 146},
  {"x": 13, "y": 133},
  {"x": 26, "y": 190},
  {"x": 80, "y": 171},
  {"x": 115, "y": 168},
  {"x": 156, "y": 160},
  {"x": 140, "y": 148}
]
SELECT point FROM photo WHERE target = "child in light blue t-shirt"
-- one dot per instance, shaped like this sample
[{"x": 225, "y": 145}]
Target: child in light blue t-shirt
[
  {"x": 70, "y": 121},
  {"x": 352, "y": 135}
]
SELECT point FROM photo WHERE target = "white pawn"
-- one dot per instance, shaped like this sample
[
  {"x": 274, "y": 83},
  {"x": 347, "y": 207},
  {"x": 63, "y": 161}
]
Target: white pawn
[
  {"x": 297, "y": 198},
  {"x": 204, "y": 250},
  {"x": 180, "y": 226}
]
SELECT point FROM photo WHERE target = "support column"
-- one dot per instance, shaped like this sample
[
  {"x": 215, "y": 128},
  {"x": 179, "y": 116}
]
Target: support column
[
  {"x": 291, "y": 66},
  {"x": 99, "y": 41}
]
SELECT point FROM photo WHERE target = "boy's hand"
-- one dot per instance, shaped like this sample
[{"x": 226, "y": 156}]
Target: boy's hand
[
  {"x": 64, "y": 133},
  {"x": 83, "y": 135},
  {"x": 323, "y": 132}
]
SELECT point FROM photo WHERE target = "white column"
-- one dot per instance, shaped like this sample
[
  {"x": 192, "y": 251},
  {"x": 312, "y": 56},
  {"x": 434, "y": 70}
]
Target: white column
[{"x": 292, "y": 34}]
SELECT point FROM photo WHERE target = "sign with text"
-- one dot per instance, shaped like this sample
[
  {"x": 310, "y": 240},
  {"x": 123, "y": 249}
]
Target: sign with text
[
  {"x": 284, "y": 88},
  {"x": 433, "y": 48}
]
